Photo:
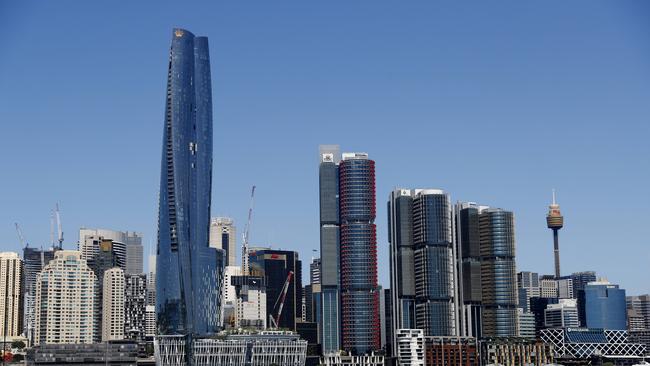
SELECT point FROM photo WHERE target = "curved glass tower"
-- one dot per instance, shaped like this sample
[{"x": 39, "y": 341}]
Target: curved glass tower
[
  {"x": 498, "y": 273},
  {"x": 358, "y": 258},
  {"x": 189, "y": 271}
]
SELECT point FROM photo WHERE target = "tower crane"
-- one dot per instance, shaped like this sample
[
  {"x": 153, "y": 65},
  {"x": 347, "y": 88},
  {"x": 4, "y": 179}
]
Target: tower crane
[
  {"x": 58, "y": 225},
  {"x": 23, "y": 242},
  {"x": 245, "y": 236},
  {"x": 283, "y": 295}
]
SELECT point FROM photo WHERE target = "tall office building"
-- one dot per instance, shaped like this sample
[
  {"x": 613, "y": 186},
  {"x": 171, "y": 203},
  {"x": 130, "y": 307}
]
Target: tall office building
[
  {"x": 314, "y": 271},
  {"x": 641, "y": 306},
  {"x": 188, "y": 289},
  {"x": 555, "y": 221},
  {"x": 548, "y": 287},
  {"x": 358, "y": 255},
  {"x": 223, "y": 235},
  {"x": 468, "y": 278},
  {"x": 135, "y": 302},
  {"x": 581, "y": 279},
  {"x": 498, "y": 273},
  {"x": 564, "y": 314},
  {"x": 66, "y": 291},
  {"x": 528, "y": 286},
  {"x": 328, "y": 178},
  {"x": 11, "y": 305},
  {"x": 388, "y": 322},
  {"x": 402, "y": 267},
  {"x": 34, "y": 261},
  {"x": 126, "y": 244},
  {"x": 151, "y": 281},
  {"x": 565, "y": 288},
  {"x": 274, "y": 266},
  {"x": 605, "y": 306},
  {"x": 113, "y": 305}
]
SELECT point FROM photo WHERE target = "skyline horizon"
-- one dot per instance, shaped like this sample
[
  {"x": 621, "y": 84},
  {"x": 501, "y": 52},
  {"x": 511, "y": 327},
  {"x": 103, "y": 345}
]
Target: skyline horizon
[{"x": 467, "y": 106}]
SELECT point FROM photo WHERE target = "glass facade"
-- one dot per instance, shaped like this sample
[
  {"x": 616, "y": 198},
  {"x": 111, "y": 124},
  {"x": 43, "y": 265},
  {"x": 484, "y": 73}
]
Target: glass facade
[
  {"x": 468, "y": 252},
  {"x": 189, "y": 276},
  {"x": 330, "y": 320},
  {"x": 360, "y": 326},
  {"x": 433, "y": 261},
  {"x": 498, "y": 273},
  {"x": 605, "y": 306}
]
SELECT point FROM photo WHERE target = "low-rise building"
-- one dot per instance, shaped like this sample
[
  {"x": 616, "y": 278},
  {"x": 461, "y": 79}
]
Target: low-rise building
[
  {"x": 458, "y": 351},
  {"x": 410, "y": 347},
  {"x": 515, "y": 352},
  {"x": 117, "y": 353}
]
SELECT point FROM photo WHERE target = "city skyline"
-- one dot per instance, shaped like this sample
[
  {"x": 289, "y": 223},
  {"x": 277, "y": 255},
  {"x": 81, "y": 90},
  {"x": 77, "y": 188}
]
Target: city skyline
[{"x": 596, "y": 156}]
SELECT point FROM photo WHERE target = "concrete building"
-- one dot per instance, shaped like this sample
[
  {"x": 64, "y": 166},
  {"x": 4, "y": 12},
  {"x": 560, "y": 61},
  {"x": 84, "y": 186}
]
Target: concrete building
[
  {"x": 528, "y": 286},
  {"x": 516, "y": 352},
  {"x": 66, "y": 291},
  {"x": 548, "y": 287},
  {"x": 150, "y": 321},
  {"x": 565, "y": 288},
  {"x": 641, "y": 306},
  {"x": 113, "y": 305},
  {"x": 118, "y": 353},
  {"x": 340, "y": 359},
  {"x": 563, "y": 314},
  {"x": 126, "y": 244},
  {"x": 251, "y": 302},
  {"x": 410, "y": 347},
  {"x": 526, "y": 324},
  {"x": 223, "y": 235},
  {"x": 11, "y": 305},
  {"x": 461, "y": 351}
]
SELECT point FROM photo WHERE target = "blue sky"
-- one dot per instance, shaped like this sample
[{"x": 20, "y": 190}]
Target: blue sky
[{"x": 496, "y": 102}]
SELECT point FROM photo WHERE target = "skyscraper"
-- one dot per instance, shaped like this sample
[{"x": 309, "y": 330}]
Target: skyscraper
[
  {"x": 555, "y": 221},
  {"x": 641, "y": 306},
  {"x": 135, "y": 301},
  {"x": 468, "y": 257},
  {"x": 126, "y": 244},
  {"x": 11, "y": 306},
  {"x": 358, "y": 255},
  {"x": 188, "y": 289},
  {"x": 223, "y": 235},
  {"x": 422, "y": 262},
  {"x": 330, "y": 322},
  {"x": 113, "y": 305},
  {"x": 66, "y": 291},
  {"x": 34, "y": 261},
  {"x": 498, "y": 273},
  {"x": 274, "y": 266}
]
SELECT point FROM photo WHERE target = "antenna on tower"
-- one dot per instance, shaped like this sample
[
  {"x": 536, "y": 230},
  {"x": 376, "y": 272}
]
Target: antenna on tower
[{"x": 554, "y": 196}]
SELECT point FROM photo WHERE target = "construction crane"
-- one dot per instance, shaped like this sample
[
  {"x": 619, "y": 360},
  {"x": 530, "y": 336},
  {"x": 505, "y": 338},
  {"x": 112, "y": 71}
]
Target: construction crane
[
  {"x": 23, "y": 242},
  {"x": 58, "y": 225},
  {"x": 245, "y": 236},
  {"x": 283, "y": 295}
]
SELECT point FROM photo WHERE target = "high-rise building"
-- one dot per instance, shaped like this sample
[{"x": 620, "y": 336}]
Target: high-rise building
[
  {"x": 113, "y": 305},
  {"x": 563, "y": 314},
  {"x": 126, "y": 244},
  {"x": 66, "y": 291},
  {"x": 468, "y": 268},
  {"x": 402, "y": 267},
  {"x": 314, "y": 271},
  {"x": 151, "y": 281},
  {"x": 548, "y": 286},
  {"x": 641, "y": 306},
  {"x": 580, "y": 281},
  {"x": 422, "y": 262},
  {"x": 223, "y": 235},
  {"x": 410, "y": 347},
  {"x": 528, "y": 284},
  {"x": 388, "y": 322},
  {"x": 605, "y": 306},
  {"x": 135, "y": 302},
  {"x": 358, "y": 255},
  {"x": 11, "y": 305},
  {"x": 274, "y": 266},
  {"x": 188, "y": 289},
  {"x": 34, "y": 261},
  {"x": 328, "y": 178},
  {"x": 526, "y": 324},
  {"x": 565, "y": 288},
  {"x": 538, "y": 306},
  {"x": 555, "y": 221},
  {"x": 498, "y": 273}
]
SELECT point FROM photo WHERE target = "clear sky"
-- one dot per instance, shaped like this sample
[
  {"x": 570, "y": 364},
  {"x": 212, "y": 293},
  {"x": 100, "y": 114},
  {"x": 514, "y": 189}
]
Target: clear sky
[{"x": 496, "y": 102}]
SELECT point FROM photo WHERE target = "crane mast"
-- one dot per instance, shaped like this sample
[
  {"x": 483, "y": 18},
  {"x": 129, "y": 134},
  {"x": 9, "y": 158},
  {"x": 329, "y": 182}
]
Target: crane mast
[
  {"x": 58, "y": 225},
  {"x": 244, "y": 248},
  {"x": 23, "y": 242},
  {"x": 283, "y": 295}
]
